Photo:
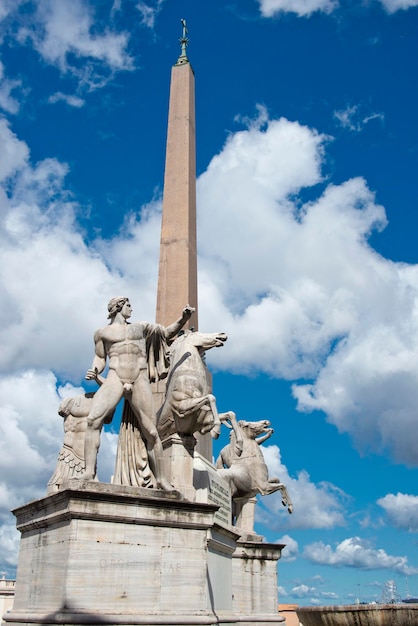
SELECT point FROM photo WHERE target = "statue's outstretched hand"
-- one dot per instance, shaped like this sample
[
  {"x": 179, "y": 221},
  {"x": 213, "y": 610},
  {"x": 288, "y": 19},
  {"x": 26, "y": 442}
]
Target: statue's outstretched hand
[{"x": 188, "y": 311}]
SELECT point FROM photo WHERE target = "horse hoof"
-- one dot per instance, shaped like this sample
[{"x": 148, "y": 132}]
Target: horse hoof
[{"x": 216, "y": 431}]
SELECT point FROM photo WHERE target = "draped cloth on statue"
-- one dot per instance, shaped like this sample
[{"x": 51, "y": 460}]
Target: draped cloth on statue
[
  {"x": 157, "y": 351},
  {"x": 132, "y": 465}
]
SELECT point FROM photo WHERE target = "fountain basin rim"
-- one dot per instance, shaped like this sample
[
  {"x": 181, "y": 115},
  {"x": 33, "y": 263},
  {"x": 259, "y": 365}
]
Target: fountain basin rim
[{"x": 358, "y": 607}]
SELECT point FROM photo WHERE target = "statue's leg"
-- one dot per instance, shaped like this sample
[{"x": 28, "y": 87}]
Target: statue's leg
[
  {"x": 142, "y": 403},
  {"x": 195, "y": 406},
  {"x": 104, "y": 401}
]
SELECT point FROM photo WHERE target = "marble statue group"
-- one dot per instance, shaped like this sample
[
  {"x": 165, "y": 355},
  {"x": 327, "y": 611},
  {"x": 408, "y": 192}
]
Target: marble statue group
[{"x": 137, "y": 355}]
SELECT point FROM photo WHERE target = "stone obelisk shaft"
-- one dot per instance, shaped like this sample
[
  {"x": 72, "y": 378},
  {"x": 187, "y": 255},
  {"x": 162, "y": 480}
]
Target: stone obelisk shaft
[{"x": 177, "y": 278}]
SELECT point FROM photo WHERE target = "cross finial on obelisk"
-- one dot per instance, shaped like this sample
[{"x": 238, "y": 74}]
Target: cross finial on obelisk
[
  {"x": 177, "y": 277},
  {"x": 184, "y": 41}
]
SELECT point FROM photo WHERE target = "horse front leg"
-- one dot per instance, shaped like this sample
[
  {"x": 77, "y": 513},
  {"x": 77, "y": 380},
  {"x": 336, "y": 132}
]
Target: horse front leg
[
  {"x": 230, "y": 417},
  {"x": 189, "y": 407}
]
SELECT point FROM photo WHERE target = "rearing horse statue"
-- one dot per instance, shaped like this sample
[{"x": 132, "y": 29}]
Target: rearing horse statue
[
  {"x": 189, "y": 405},
  {"x": 247, "y": 473}
]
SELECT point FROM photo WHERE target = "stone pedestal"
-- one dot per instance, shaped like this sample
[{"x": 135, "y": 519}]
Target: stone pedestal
[
  {"x": 178, "y": 459},
  {"x": 95, "y": 553},
  {"x": 213, "y": 489},
  {"x": 245, "y": 513},
  {"x": 254, "y": 575}
]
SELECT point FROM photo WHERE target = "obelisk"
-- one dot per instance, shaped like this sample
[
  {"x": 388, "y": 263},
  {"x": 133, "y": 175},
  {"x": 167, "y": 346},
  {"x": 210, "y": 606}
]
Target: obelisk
[{"x": 177, "y": 277}]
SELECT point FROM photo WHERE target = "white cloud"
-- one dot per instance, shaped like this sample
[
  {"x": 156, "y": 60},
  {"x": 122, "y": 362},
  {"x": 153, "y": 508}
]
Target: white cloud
[
  {"x": 66, "y": 32},
  {"x": 300, "y": 292},
  {"x": 402, "y": 510},
  {"x": 13, "y": 154},
  {"x": 149, "y": 12},
  {"x": 71, "y": 100},
  {"x": 305, "y": 8},
  {"x": 7, "y": 102},
  {"x": 358, "y": 553},
  {"x": 50, "y": 279},
  {"x": 9, "y": 6},
  {"x": 315, "y": 506},
  {"x": 305, "y": 591},
  {"x": 269, "y": 8},
  {"x": 353, "y": 119},
  {"x": 291, "y": 549},
  {"x": 372, "y": 396},
  {"x": 302, "y": 591},
  {"x": 395, "y": 5},
  {"x": 9, "y": 545}
]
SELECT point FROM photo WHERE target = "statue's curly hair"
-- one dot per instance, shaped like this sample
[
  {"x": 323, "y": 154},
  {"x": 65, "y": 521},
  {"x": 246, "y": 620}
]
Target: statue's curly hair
[{"x": 115, "y": 305}]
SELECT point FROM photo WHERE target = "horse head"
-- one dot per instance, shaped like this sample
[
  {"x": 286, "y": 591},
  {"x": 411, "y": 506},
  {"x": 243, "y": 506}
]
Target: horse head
[
  {"x": 255, "y": 429},
  {"x": 200, "y": 341},
  {"x": 206, "y": 341}
]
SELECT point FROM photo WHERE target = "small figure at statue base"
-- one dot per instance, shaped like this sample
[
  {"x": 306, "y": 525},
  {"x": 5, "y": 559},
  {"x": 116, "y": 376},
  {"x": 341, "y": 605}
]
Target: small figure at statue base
[{"x": 71, "y": 463}]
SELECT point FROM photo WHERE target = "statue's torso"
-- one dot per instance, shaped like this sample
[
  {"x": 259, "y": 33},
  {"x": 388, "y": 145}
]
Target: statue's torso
[{"x": 125, "y": 347}]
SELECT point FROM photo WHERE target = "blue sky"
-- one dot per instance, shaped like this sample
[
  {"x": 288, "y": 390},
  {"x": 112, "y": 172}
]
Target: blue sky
[{"x": 307, "y": 150}]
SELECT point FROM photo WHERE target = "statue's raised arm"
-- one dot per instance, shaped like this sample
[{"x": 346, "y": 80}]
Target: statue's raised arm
[{"x": 173, "y": 329}]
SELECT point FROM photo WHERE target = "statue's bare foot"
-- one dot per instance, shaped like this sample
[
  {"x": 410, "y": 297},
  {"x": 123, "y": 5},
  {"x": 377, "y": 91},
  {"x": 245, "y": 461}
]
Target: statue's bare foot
[{"x": 87, "y": 476}]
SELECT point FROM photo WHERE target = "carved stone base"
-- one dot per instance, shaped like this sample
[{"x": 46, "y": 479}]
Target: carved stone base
[
  {"x": 245, "y": 513},
  {"x": 211, "y": 488},
  {"x": 178, "y": 459},
  {"x": 95, "y": 553},
  {"x": 254, "y": 575}
]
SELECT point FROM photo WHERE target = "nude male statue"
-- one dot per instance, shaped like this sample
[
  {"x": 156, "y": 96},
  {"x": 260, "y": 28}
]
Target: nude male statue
[{"x": 124, "y": 345}]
